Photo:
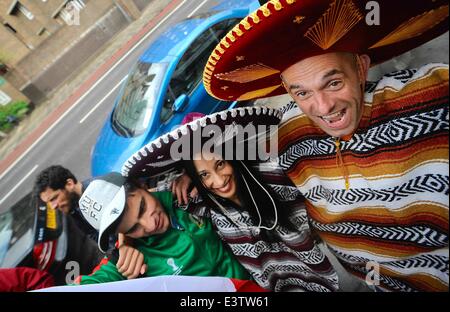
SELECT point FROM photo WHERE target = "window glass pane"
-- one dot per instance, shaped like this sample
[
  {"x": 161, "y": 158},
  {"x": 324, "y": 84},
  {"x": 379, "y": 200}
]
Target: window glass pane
[
  {"x": 189, "y": 71},
  {"x": 134, "y": 110}
]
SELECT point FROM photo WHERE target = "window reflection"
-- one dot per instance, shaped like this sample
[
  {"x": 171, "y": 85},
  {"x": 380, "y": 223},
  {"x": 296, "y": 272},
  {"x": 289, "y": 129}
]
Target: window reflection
[{"x": 133, "y": 113}]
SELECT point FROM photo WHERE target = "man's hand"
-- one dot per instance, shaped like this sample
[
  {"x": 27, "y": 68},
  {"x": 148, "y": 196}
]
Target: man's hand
[
  {"x": 131, "y": 262},
  {"x": 180, "y": 188}
]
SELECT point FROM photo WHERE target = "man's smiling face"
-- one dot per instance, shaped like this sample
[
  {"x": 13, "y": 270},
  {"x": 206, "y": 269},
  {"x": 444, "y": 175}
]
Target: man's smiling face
[{"x": 328, "y": 89}]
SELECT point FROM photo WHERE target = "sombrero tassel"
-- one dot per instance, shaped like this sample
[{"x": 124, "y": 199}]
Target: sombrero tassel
[{"x": 340, "y": 163}]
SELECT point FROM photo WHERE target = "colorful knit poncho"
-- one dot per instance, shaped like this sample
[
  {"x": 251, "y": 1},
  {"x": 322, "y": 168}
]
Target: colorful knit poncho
[{"x": 393, "y": 218}]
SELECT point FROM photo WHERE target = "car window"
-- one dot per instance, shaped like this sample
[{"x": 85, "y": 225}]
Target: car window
[
  {"x": 189, "y": 71},
  {"x": 16, "y": 232},
  {"x": 134, "y": 109},
  {"x": 5, "y": 234}
]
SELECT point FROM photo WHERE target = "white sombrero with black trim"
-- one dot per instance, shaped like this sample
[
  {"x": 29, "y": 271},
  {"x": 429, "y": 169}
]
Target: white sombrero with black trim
[{"x": 161, "y": 154}]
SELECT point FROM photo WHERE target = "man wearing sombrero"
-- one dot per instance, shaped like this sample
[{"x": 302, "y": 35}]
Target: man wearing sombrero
[{"x": 370, "y": 158}]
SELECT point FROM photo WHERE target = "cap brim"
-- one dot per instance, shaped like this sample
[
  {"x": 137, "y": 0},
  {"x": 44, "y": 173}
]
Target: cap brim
[{"x": 112, "y": 212}]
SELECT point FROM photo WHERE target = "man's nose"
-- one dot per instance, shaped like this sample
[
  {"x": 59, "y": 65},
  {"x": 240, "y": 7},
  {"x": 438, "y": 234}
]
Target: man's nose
[
  {"x": 146, "y": 225},
  {"x": 324, "y": 103},
  {"x": 54, "y": 204}
]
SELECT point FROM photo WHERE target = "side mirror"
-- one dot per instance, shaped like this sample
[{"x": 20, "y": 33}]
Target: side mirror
[{"x": 180, "y": 103}]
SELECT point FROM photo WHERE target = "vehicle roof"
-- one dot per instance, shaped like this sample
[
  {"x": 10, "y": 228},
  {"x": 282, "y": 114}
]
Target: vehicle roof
[{"x": 178, "y": 37}]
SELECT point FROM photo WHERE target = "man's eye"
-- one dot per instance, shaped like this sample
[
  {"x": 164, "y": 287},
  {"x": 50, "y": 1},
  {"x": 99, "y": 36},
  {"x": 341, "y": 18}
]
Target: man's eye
[
  {"x": 220, "y": 163},
  {"x": 335, "y": 83},
  {"x": 302, "y": 94},
  {"x": 133, "y": 229}
]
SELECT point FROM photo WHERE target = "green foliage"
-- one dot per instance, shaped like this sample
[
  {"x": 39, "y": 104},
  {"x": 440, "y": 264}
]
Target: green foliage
[{"x": 11, "y": 114}]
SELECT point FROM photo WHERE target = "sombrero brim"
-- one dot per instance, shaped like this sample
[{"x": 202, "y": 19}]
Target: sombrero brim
[
  {"x": 247, "y": 63},
  {"x": 155, "y": 157}
]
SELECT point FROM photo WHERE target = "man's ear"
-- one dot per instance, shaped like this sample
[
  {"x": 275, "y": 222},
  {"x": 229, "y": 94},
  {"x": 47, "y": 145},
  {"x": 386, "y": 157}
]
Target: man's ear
[
  {"x": 70, "y": 185},
  {"x": 363, "y": 64}
]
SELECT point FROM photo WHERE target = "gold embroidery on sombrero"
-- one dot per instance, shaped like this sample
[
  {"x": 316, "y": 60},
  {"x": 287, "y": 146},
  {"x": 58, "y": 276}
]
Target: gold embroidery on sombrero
[
  {"x": 238, "y": 31},
  {"x": 220, "y": 49},
  {"x": 339, "y": 19},
  {"x": 277, "y": 5},
  {"x": 257, "y": 93},
  {"x": 255, "y": 18},
  {"x": 248, "y": 73},
  {"x": 415, "y": 26},
  {"x": 215, "y": 55},
  {"x": 209, "y": 68},
  {"x": 240, "y": 58},
  {"x": 224, "y": 42},
  {"x": 246, "y": 24},
  {"x": 298, "y": 19},
  {"x": 224, "y": 88},
  {"x": 265, "y": 11}
]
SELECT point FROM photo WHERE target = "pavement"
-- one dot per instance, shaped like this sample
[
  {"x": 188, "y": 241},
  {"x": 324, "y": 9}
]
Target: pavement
[{"x": 36, "y": 123}]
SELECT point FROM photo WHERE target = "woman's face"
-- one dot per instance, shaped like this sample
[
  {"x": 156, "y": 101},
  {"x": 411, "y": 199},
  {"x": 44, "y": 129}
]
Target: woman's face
[{"x": 217, "y": 176}]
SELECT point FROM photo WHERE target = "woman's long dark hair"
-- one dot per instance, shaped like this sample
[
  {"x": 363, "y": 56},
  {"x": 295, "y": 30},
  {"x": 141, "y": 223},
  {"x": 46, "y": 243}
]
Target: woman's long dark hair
[{"x": 261, "y": 198}]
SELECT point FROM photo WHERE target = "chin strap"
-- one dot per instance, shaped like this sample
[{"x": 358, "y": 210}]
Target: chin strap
[
  {"x": 339, "y": 158},
  {"x": 340, "y": 163},
  {"x": 256, "y": 206},
  {"x": 254, "y": 202}
]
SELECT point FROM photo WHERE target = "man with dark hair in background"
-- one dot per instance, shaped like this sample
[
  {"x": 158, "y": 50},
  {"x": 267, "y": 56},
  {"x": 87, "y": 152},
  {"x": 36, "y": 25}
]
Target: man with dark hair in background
[{"x": 59, "y": 187}]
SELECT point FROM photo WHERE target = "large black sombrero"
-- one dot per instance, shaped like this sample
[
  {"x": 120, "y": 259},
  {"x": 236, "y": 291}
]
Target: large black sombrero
[{"x": 246, "y": 124}]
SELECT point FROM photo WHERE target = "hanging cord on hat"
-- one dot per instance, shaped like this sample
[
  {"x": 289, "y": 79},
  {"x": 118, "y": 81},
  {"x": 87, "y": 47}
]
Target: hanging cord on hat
[
  {"x": 339, "y": 159},
  {"x": 340, "y": 163},
  {"x": 256, "y": 207},
  {"x": 235, "y": 220}
]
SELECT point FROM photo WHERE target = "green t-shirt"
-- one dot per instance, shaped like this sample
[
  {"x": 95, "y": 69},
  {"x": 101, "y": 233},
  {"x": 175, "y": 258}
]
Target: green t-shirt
[{"x": 189, "y": 247}]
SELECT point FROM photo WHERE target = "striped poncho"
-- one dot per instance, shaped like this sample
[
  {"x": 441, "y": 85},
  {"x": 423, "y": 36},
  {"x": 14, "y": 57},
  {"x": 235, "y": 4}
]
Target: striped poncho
[
  {"x": 393, "y": 219},
  {"x": 290, "y": 260}
]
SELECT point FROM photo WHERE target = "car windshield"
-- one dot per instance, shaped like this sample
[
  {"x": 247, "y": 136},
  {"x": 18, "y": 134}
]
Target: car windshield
[
  {"x": 134, "y": 110},
  {"x": 16, "y": 232}
]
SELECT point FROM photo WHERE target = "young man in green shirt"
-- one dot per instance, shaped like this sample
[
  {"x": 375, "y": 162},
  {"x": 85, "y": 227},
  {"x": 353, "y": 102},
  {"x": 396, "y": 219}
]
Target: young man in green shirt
[{"x": 172, "y": 241}]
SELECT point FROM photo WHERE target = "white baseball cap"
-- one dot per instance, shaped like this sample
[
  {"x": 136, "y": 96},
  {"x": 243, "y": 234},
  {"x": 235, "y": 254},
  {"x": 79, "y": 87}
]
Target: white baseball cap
[{"x": 102, "y": 203}]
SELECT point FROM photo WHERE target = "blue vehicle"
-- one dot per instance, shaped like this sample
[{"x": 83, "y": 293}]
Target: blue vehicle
[{"x": 166, "y": 84}]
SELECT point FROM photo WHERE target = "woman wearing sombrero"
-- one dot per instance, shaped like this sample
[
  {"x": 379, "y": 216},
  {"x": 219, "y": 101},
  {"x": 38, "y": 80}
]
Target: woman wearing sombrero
[
  {"x": 371, "y": 159},
  {"x": 257, "y": 213}
]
